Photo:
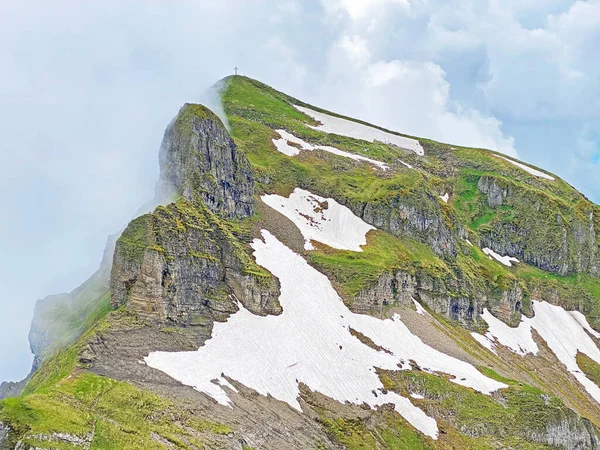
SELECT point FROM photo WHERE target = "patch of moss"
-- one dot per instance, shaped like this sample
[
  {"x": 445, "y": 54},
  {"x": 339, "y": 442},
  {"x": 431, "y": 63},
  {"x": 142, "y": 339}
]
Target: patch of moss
[
  {"x": 391, "y": 432},
  {"x": 110, "y": 413},
  {"x": 590, "y": 367},
  {"x": 491, "y": 373},
  {"x": 355, "y": 271},
  {"x": 134, "y": 240},
  {"x": 475, "y": 414}
]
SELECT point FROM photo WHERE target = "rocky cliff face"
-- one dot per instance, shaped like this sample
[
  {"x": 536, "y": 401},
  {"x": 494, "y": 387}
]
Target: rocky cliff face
[
  {"x": 455, "y": 300},
  {"x": 4, "y": 431},
  {"x": 183, "y": 263},
  {"x": 199, "y": 160},
  {"x": 539, "y": 230},
  {"x": 13, "y": 389},
  {"x": 572, "y": 432},
  {"x": 418, "y": 215}
]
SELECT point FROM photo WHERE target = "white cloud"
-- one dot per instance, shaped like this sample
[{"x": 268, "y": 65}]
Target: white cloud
[
  {"x": 355, "y": 50},
  {"x": 407, "y": 96},
  {"x": 361, "y": 9}
]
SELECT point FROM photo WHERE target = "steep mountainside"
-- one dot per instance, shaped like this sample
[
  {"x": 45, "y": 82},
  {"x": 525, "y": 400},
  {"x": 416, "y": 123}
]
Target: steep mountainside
[{"x": 318, "y": 282}]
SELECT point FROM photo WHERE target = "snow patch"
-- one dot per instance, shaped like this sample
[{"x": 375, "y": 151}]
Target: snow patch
[
  {"x": 565, "y": 332},
  {"x": 484, "y": 341},
  {"x": 420, "y": 309},
  {"x": 584, "y": 323},
  {"x": 445, "y": 197},
  {"x": 417, "y": 396},
  {"x": 519, "y": 339},
  {"x": 310, "y": 342},
  {"x": 321, "y": 219},
  {"x": 345, "y": 127},
  {"x": 506, "y": 260},
  {"x": 528, "y": 169},
  {"x": 284, "y": 147}
]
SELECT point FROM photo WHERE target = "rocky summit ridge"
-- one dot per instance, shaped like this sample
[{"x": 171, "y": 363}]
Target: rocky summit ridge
[{"x": 314, "y": 281}]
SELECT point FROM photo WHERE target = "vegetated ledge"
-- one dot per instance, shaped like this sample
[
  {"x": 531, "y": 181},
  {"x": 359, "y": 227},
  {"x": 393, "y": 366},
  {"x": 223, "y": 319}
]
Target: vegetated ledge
[{"x": 181, "y": 264}]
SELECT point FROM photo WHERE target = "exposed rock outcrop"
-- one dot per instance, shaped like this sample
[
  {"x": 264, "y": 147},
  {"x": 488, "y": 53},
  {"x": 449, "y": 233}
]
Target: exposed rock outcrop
[
  {"x": 454, "y": 300},
  {"x": 4, "y": 432},
  {"x": 568, "y": 432},
  {"x": 12, "y": 389},
  {"x": 183, "y": 263},
  {"x": 540, "y": 230},
  {"x": 199, "y": 160},
  {"x": 496, "y": 193},
  {"x": 418, "y": 216},
  {"x": 572, "y": 432}
]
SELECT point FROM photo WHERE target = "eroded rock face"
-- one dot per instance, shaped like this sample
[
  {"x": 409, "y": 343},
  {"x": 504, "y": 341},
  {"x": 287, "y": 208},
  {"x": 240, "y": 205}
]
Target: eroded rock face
[
  {"x": 421, "y": 220},
  {"x": 4, "y": 431},
  {"x": 571, "y": 433},
  {"x": 390, "y": 289},
  {"x": 11, "y": 389},
  {"x": 199, "y": 160},
  {"x": 181, "y": 264},
  {"x": 494, "y": 191},
  {"x": 401, "y": 287},
  {"x": 540, "y": 231}
]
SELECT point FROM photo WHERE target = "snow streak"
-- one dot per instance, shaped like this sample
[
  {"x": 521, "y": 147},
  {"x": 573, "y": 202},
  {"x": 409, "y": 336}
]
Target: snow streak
[{"x": 345, "y": 127}]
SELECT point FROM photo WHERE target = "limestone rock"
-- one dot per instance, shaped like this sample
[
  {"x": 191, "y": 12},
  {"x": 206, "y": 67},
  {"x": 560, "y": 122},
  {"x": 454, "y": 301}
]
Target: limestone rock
[
  {"x": 199, "y": 160},
  {"x": 181, "y": 264},
  {"x": 538, "y": 230},
  {"x": 457, "y": 301}
]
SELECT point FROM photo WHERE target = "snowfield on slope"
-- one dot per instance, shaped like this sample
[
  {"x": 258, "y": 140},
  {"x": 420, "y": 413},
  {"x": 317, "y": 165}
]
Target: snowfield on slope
[
  {"x": 321, "y": 219},
  {"x": 311, "y": 343},
  {"x": 565, "y": 332},
  {"x": 519, "y": 340},
  {"x": 284, "y": 147},
  {"x": 506, "y": 260},
  {"x": 531, "y": 170},
  {"x": 345, "y": 127}
]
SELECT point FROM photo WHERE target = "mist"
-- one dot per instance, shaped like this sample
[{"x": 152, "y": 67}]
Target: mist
[
  {"x": 86, "y": 96},
  {"x": 86, "y": 91}
]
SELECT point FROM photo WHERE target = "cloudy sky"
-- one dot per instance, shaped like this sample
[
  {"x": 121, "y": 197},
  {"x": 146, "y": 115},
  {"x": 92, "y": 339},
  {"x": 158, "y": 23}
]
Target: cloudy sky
[{"x": 87, "y": 88}]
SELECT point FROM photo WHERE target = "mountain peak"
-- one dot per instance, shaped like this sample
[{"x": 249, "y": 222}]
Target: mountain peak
[
  {"x": 346, "y": 285},
  {"x": 200, "y": 161}
]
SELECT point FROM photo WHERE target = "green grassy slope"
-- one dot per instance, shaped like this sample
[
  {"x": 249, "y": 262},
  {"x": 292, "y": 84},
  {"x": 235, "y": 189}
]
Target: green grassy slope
[
  {"x": 63, "y": 397},
  {"x": 254, "y": 110}
]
